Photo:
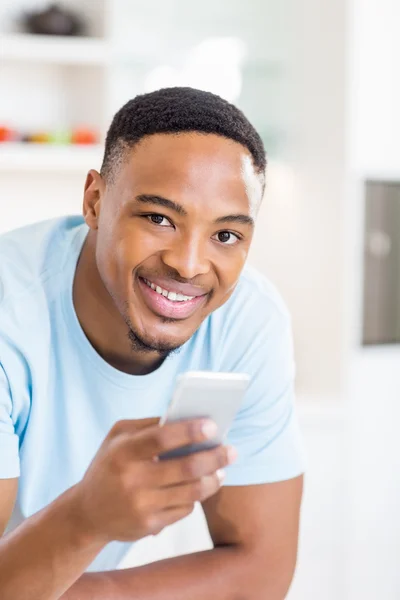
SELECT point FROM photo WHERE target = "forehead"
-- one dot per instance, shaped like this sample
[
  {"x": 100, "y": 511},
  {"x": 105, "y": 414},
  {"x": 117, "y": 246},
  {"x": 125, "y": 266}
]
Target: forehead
[{"x": 189, "y": 166}]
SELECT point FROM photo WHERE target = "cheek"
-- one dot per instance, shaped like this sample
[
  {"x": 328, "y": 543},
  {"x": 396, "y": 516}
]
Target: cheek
[
  {"x": 114, "y": 254},
  {"x": 137, "y": 247},
  {"x": 230, "y": 268},
  {"x": 122, "y": 246}
]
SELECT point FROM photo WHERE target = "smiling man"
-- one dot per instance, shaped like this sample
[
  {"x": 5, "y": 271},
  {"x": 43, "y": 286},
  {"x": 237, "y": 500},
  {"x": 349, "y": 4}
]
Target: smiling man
[{"x": 98, "y": 316}]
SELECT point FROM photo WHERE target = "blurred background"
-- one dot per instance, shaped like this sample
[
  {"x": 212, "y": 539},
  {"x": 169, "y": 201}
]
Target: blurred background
[{"x": 318, "y": 80}]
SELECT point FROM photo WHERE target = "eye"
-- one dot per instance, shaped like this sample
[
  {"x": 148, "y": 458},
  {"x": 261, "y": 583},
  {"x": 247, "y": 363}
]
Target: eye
[
  {"x": 228, "y": 238},
  {"x": 159, "y": 220}
]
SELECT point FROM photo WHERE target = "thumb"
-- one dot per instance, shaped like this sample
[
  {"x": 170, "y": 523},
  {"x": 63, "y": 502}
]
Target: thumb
[{"x": 144, "y": 423}]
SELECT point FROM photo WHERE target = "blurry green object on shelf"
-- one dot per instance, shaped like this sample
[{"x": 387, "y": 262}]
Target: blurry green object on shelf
[{"x": 61, "y": 137}]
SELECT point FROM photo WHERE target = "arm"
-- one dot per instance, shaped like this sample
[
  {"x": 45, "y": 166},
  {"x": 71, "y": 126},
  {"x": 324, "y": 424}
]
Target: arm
[
  {"x": 255, "y": 532},
  {"x": 124, "y": 495},
  {"x": 46, "y": 553},
  {"x": 8, "y": 494},
  {"x": 263, "y": 522},
  {"x": 42, "y": 557}
]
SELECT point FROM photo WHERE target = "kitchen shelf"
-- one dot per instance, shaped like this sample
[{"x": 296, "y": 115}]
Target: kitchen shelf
[
  {"x": 54, "y": 49},
  {"x": 49, "y": 157},
  {"x": 83, "y": 80}
]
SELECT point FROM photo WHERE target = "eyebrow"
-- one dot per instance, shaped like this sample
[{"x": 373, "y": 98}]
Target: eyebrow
[
  {"x": 166, "y": 203},
  {"x": 244, "y": 219},
  {"x": 160, "y": 201}
]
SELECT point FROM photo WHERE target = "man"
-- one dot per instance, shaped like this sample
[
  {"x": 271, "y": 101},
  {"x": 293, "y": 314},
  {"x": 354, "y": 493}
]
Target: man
[{"x": 91, "y": 311}]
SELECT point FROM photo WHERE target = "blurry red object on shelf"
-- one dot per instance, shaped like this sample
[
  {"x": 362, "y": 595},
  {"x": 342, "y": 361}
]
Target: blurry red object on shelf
[
  {"x": 83, "y": 135},
  {"x": 7, "y": 134}
]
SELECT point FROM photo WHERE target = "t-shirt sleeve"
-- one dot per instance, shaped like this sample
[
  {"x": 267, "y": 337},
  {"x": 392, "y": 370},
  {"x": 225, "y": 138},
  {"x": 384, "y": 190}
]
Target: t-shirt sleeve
[
  {"x": 265, "y": 431},
  {"x": 9, "y": 441}
]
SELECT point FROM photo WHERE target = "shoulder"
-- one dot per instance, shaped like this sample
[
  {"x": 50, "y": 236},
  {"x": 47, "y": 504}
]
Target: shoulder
[
  {"x": 32, "y": 269},
  {"x": 255, "y": 305},
  {"x": 29, "y": 256},
  {"x": 253, "y": 328},
  {"x": 262, "y": 292}
]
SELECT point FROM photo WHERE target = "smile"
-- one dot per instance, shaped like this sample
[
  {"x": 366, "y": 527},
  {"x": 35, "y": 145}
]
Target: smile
[
  {"x": 170, "y": 304},
  {"x": 173, "y": 296}
]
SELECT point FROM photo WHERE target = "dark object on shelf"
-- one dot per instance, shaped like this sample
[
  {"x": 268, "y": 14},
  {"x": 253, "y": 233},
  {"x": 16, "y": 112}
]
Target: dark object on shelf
[
  {"x": 382, "y": 263},
  {"x": 54, "y": 20}
]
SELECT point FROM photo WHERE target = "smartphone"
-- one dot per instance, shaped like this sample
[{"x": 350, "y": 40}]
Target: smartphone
[{"x": 199, "y": 394}]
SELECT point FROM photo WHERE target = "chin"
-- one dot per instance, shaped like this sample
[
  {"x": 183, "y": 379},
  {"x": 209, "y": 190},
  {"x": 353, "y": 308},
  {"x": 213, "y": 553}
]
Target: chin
[
  {"x": 151, "y": 339},
  {"x": 168, "y": 340}
]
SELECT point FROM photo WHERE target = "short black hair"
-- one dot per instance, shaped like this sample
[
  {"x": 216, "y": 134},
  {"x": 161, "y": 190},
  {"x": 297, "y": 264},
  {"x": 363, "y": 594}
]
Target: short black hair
[{"x": 176, "y": 110}]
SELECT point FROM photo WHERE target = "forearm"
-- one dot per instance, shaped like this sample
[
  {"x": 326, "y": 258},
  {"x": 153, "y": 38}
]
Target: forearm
[
  {"x": 45, "y": 554},
  {"x": 225, "y": 573}
]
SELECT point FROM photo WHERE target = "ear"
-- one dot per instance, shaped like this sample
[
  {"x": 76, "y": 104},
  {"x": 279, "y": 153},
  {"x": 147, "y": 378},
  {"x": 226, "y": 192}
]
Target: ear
[{"x": 93, "y": 193}]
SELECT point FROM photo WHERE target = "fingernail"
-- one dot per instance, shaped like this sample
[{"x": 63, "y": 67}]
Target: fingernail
[
  {"x": 209, "y": 429},
  {"x": 231, "y": 453},
  {"x": 221, "y": 475}
]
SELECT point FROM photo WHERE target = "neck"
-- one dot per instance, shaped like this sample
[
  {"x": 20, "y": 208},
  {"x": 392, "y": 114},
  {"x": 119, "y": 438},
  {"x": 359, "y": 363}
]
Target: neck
[{"x": 101, "y": 321}]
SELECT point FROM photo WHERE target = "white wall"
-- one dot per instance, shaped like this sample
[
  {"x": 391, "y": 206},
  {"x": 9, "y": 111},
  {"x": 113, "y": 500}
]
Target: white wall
[
  {"x": 373, "y": 373},
  {"x": 29, "y": 197},
  {"x": 375, "y": 87},
  {"x": 300, "y": 237},
  {"x": 373, "y": 125}
]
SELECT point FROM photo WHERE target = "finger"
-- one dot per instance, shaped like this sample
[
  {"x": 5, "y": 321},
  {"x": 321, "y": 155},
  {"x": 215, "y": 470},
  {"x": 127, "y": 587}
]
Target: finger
[
  {"x": 189, "y": 468},
  {"x": 155, "y": 440},
  {"x": 130, "y": 426},
  {"x": 187, "y": 493}
]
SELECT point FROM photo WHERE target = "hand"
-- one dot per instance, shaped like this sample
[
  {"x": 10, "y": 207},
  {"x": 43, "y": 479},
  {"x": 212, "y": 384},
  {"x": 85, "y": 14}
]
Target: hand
[{"x": 127, "y": 493}]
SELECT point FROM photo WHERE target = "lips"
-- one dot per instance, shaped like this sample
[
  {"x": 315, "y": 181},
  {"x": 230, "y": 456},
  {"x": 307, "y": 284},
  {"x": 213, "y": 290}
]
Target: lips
[
  {"x": 172, "y": 309},
  {"x": 175, "y": 286}
]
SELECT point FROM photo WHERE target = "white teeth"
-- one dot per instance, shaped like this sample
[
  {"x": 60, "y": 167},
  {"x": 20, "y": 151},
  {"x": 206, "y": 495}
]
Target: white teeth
[{"x": 173, "y": 296}]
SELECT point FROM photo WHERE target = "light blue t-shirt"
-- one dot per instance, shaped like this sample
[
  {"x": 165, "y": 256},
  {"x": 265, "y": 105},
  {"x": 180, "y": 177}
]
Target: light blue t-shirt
[{"x": 59, "y": 398}]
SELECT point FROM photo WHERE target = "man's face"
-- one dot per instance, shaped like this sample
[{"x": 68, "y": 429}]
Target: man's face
[{"x": 174, "y": 230}]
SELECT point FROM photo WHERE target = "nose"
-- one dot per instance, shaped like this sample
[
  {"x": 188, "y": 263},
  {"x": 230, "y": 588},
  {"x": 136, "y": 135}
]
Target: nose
[{"x": 188, "y": 257}]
